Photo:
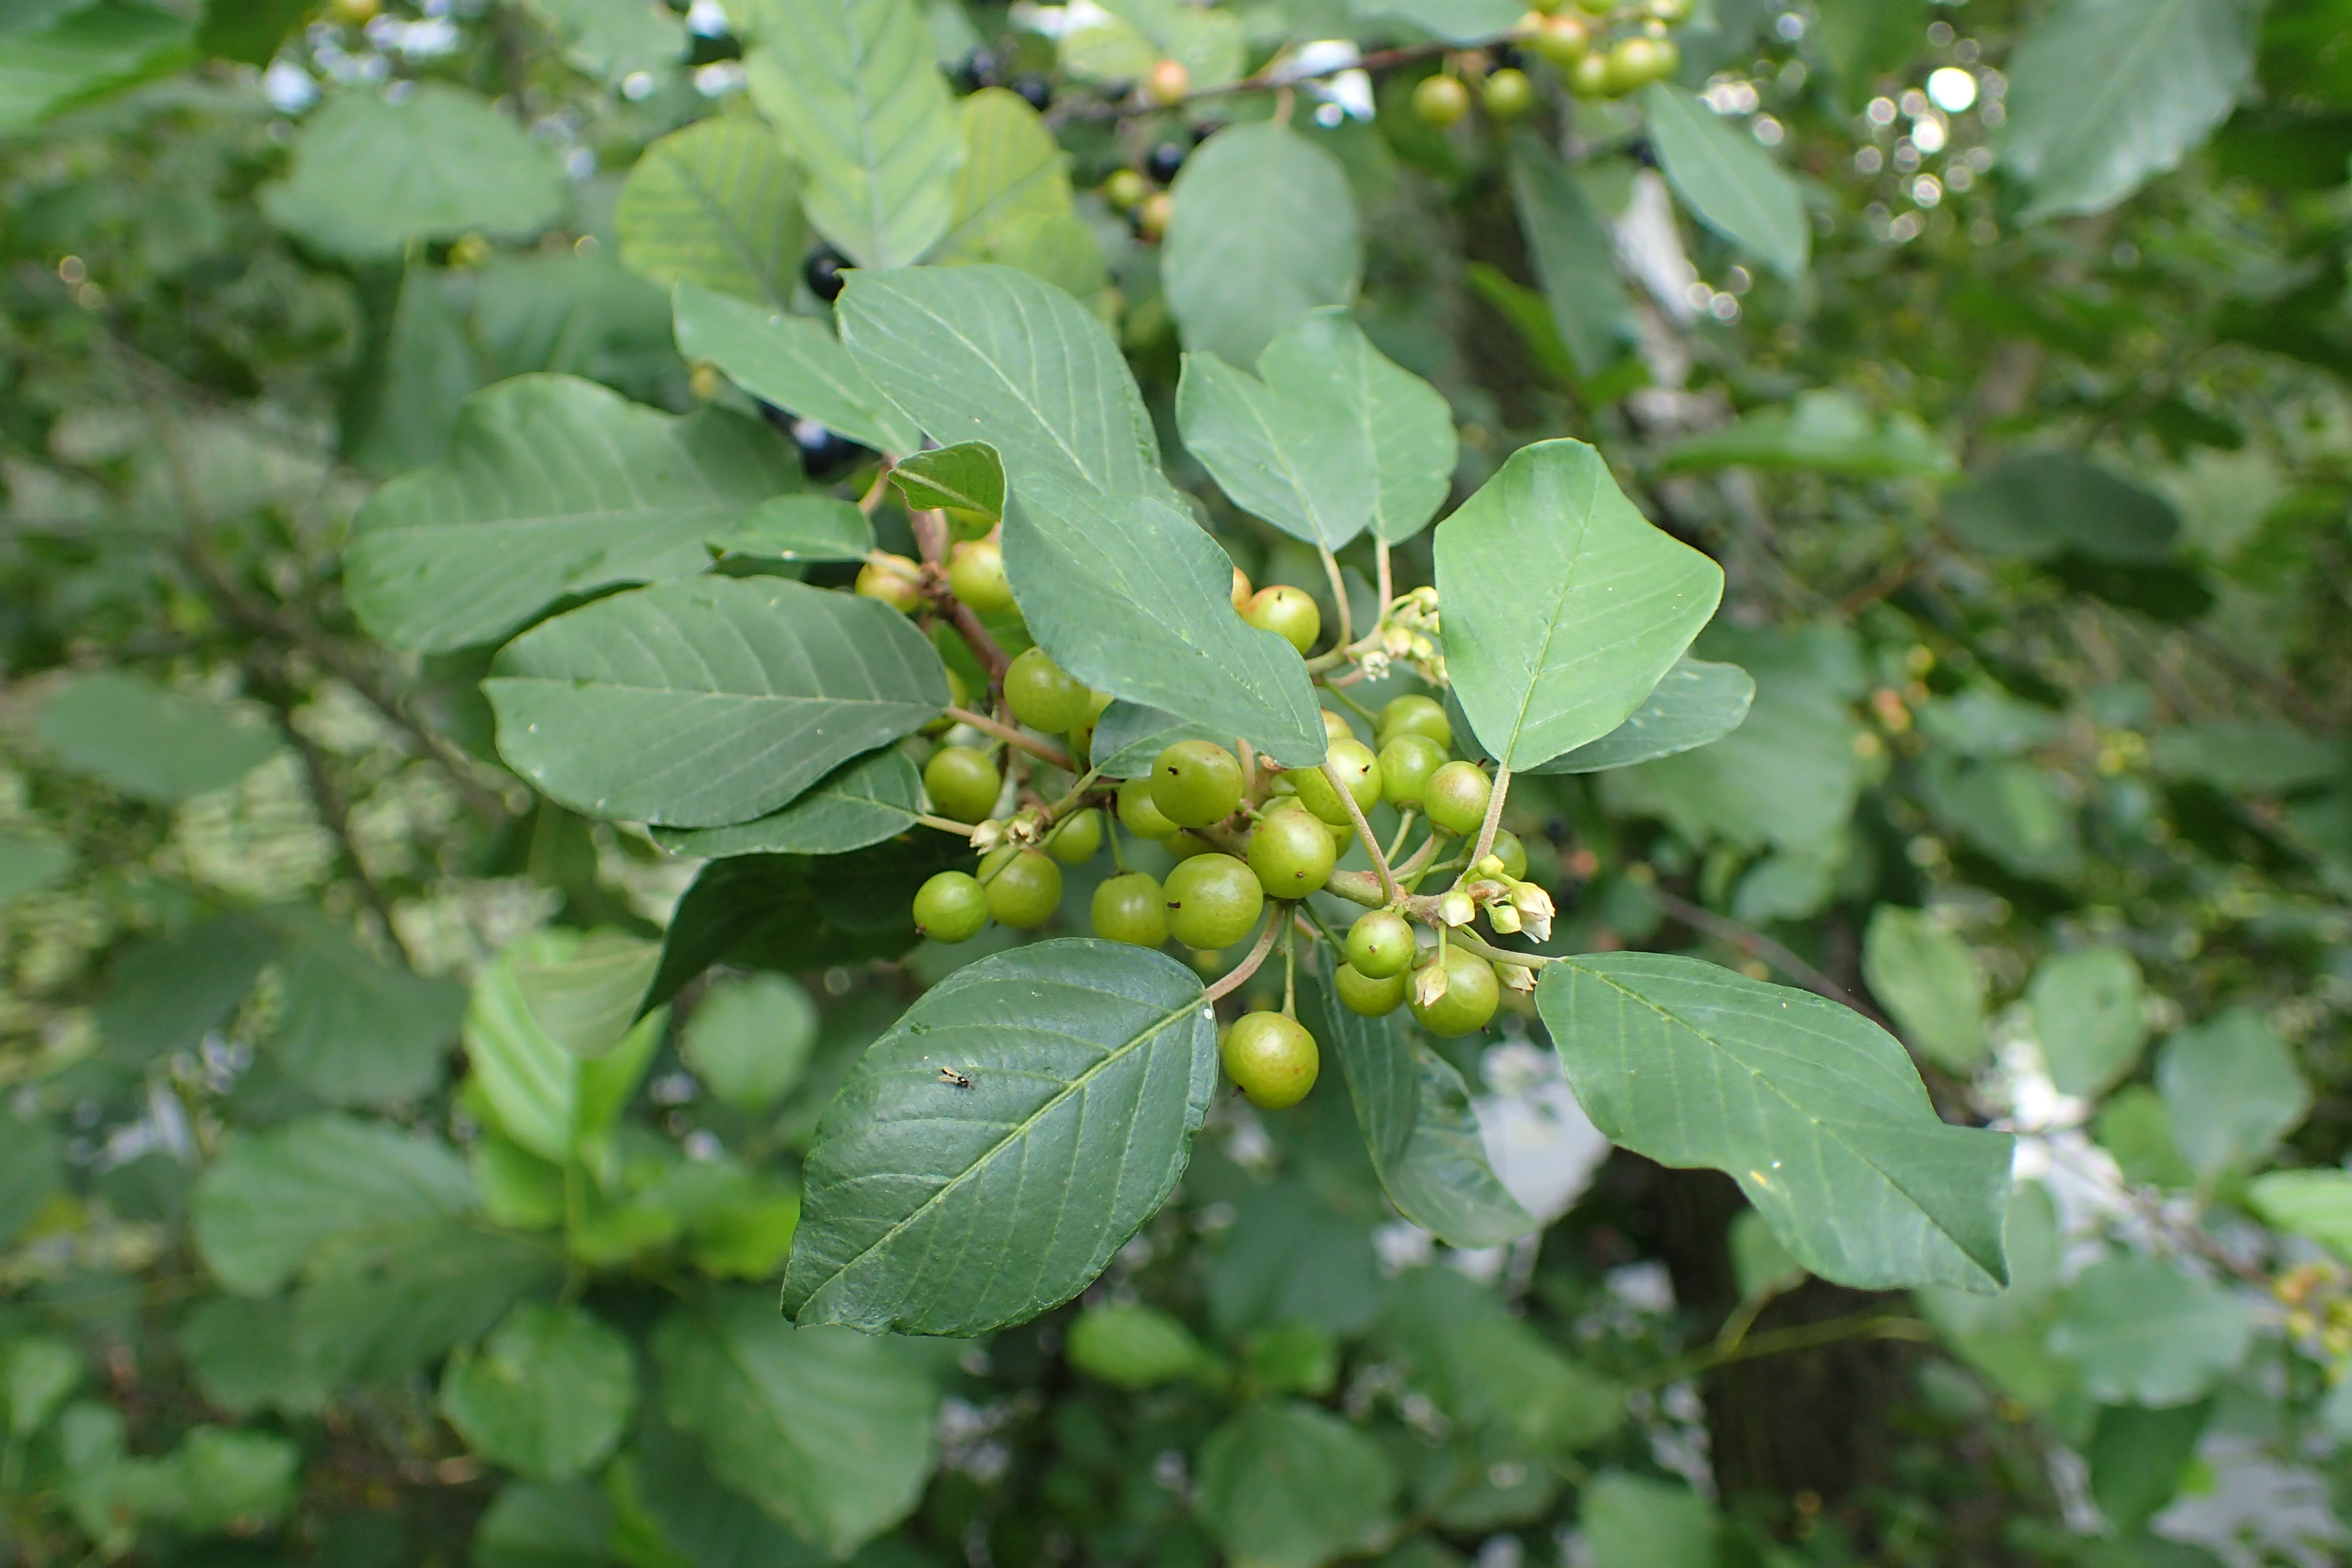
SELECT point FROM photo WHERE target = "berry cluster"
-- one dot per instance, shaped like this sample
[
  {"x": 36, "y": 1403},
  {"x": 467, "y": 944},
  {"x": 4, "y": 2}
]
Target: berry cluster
[{"x": 1603, "y": 49}]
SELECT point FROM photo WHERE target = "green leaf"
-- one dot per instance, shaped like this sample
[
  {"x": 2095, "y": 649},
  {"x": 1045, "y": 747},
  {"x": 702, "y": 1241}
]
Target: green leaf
[
  {"x": 546, "y": 1396},
  {"x": 378, "y": 1306},
  {"x": 2145, "y": 1334},
  {"x": 2314, "y": 1203},
  {"x": 1130, "y": 737},
  {"x": 32, "y": 1166},
  {"x": 1563, "y": 606},
  {"x": 1862, "y": 40},
  {"x": 1454, "y": 21},
  {"x": 275, "y": 1198},
  {"x": 1731, "y": 185},
  {"x": 2247, "y": 755},
  {"x": 36, "y": 1372},
  {"x": 552, "y": 485},
  {"x": 792, "y": 362},
  {"x": 533, "y": 1524},
  {"x": 2234, "y": 1090},
  {"x": 239, "y": 1348},
  {"x": 1288, "y": 1486},
  {"x": 1263, "y": 203},
  {"x": 862, "y": 802},
  {"x": 1335, "y": 438},
  {"x": 1291, "y": 1256},
  {"x": 991, "y": 355},
  {"x": 719, "y": 204},
  {"x": 148, "y": 742},
  {"x": 1012, "y": 178},
  {"x": 372, "y": 173},
  {"x": 829, "y": 1429},
  {"x": 2042, "y": 504},
  {"x": 1209, "y": 43},
  {"x": 968, "y": 475},
  {"x": 2105, "y": 95},
  {"x": 526, "y": 1024},
  {"x": 1135, "y": 1347},
  {"x": 249, "y": 31},
  {"x": 2090, "y": 1015},
  {"x": 1695, "y": 704},
  {"x": 431, "y": 365},
  {"x": 614, "y": 39},
  {"x": 1929, "y": 983},
  {"x": 709, "y": 701},
  {"x": 1634, "y": 1521},
  {"x": 1419, "y": 1127},
  {"x": 704, "y": 1523},
  {"x": 798, "y": 528},
  {"x": 1825, "y": 431},
  {"x": 1490, "y": 1371},
  {"x": 2006, "y": 1335},
  {"x": 850, "y": 86},
  {"x": 31, "y": 864},
  {"x": 1130, "y": 596},
  {"x": 1091, "y": 1066},
  {"x": 2137, "y": 1457},
  {"x": 2135, "y": 1126},
  {"x": 86, "y": 53},
  {"x": 357, "y": 1031},
  {"x": 1574, "y": 258},
  {"x": 749, "y": 1039},
  {"x": 1814, "y": 1111},
  {"x": 167, "y": 994},
  {"x": 1760, "y": 1264}
]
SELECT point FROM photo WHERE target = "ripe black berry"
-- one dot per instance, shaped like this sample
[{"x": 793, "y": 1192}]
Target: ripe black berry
[
  {"x": 1162, "y": 162},
  {"x": 1034, "y": 88},
  {"x": 823, "y": 270},
  {"x": 978, "y": 70}
]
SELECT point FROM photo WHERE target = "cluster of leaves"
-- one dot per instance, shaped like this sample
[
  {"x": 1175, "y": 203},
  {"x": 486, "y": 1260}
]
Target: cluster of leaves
[{"x": 489, "y": 557}]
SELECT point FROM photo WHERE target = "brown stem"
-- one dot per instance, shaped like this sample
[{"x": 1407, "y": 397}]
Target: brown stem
[
  {"x": 1388, "y": 887},
  {"x": 1870, "y": 1325},
  {"x": 1011, "y": 737},
  {"x": 1493, "y": 821},
  {"x": 930, "y": 528},
  {"x": 1272, "y": 77},
  {"x": 984, "y": 647},
  {"x": 1248, "y": 966}
]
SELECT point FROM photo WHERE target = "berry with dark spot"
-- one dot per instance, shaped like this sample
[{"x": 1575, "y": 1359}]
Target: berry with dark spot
[
  {"x": 1035, "y": 90},
  {"x": 822, "y": 272},
  {"x": 1162, "y": 162}
]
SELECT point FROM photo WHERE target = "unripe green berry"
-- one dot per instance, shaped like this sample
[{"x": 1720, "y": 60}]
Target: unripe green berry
[
  {"x": 1440, "y": 100},
  {"x": 1196, "y": 783},
  {"x": 1563, "y": 40},
  {"x": 959, "y": 696},
  {"x": 976, "y": 576},
  {"x": 1025, "y": 887},
  {"x": 893, "y": 579},
  {"x": 1140, "y": 814},
  {"x": 1355, "y": 763},
  {"x": 1213, "y": 902},
  {"x": 1132, "y": 907},
  {"x": 1125, "y": 188},
  {"x": 1381, "y": 944},
  {"x": 1416, "y": 715},
  {"x": 963, "y": 784},
  {"x": 1271, "y": 1058},
  {"x": 1591, "y": 77},
  {"x": 1456, "y": 797},
  {"x": 1471, "y": 996},
  {"x": 965, "y": 523},
  {"x": 1183, "y": 844},
  {"x": 1292, "y": 854},
  {"x": 1289, "y": 613},
  {"x": 1368, "y": 997},
  {"x": 1506, "y": 93},
  {"x": 951, "y": 907},
  {"x": 1076, "y": 837},
  {"x": 1044, "y": 696},
  {"x": 1511, "y": 853},
  {"x": 1336, "y": 727},
  {"x": 1406, "y": 764}
]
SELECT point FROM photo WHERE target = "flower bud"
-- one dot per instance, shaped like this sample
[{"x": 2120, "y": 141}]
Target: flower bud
[
  {"x": 1504, "y": 918},
  {"x": 1456, "y": 908},
  {"x": 1517, "y": 977},
  {"x": 1429, "y": 983}
]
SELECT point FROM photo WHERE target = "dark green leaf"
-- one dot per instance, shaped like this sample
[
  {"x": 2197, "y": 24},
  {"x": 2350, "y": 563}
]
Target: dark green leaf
[
  {"x": 357, "y": 1031},
  {"x": 1826, "y": 431},
  {"x": 1929, "y": 983},
  {"x": 1814, "y": 1111},
  {"x": 31, "y": 864},
  {"x": 169, "y": 993},
  {"x": 1133, "y": 1346},
  {"x": 1418, "y": 1124},
  {"x": 1635, "y": 1522},
  {"x": 372, "y": 173},
  {"x": 1564, "y": 608},
  {"x": 150, "y": 743},
  {"x": 792, "y": 362},
  {"x": 706, "y": 1522},
  {"x": 2145, "y": 1334},
  {"x": 547, "y": 1395},
  {"x": 2248, "y": 754},
  {"x": 1862, "y": 40},
  {"x": 379, "y": 1305},
  {"x": 1490, "y": 1371},
  {"x": 1012, "y": 195},
  {"x": 552, "y": 485},
  {"x": 240, "y": 1350},
  {"x": 1259, "y": 201},
  {"x": 615, "y": 39},
  {"x": 548, "y": 996},
  {"x": 862, "y": 802},
  {"x": 1291, "y": 1256},
  {"x": 829, "y": 1429},
  {"x": 968, "y": 475},
  {"x": 1695, "y": 704},
  {"x": 719, "y": 204},
  {"x": 249, "y": 31},
  {"x": 532, "y": 1524},
  {"x": 2043, "y": 503},
  {"x": 2234, "y": 1090},
  {"x": 1574, "y": 258},
  {"x": 1731, "y": 185},
  {"x": 798, "y": 528},
  {"x": 32, "y": 1166},
  {"x": 1091, "y": 1066},
  {"x": 1289, "y": 1486},
  {"x": 2089, "y": 1013},
  {"x": 1128, "y": 737},
  {"x": 2105, "y": 95},
  {"x": 2137, "y": 1456},
  {"x": 749, "y": 1039},
  {"x": 86, "y": 52},
  {"x": 2314, "y": 1203},
  {"x": 711, "y": 702}
]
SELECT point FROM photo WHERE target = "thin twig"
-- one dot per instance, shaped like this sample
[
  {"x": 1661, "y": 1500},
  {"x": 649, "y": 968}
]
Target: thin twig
[
  {"x": 984, "y": 647},
  {"x": 1248, "y": 966},
  {"x": 1746, "y": 938},
  {"x": 1339, "y": 596},
  {"x": 1011, "y": 736},
  {"x": 1364, "y": 831},
  {"x": 1493, "y": 821},
  {"x": 1267, "y": 80},
  {"x": 1874, "y": 1325}
]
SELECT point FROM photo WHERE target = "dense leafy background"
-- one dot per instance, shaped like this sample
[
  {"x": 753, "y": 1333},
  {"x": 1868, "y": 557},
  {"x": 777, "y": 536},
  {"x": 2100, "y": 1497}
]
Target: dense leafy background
[{"x": 355, "y": 1210}]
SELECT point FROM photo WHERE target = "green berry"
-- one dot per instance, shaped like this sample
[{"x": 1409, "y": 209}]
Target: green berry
[
  {"x": 1287, "y": 612},
  {"x": 1455, "y": 798},
  {"x": 963, "y": 784},
  {"x": 1591, "y": 77},
  {"x": 1140, "y": 814},
  {"x": 1511, "y": 853},
  {"x": 1183, "y": 844},
  {"x": 1125, "y": 189},
  {"x": 965, "y": 523},
  {"x": 1196, "y": 783},
  {"x": 1271, "y": 1058},
  {"x": 1470, "y": 995},
  {"x": 1416, "y": 715},
  {"x": 1213, "y": 900},
  {"x": 1043, "y": 695},
  {"x": 976, "y": 575},
  {"x": 1506, "y": 93},
  {"x": 1292, "y": 853},
  {"x": 1368, "y": 997},
  {"x": 1563, "y": 40},
  {"x": 1025, "y": 887},
  {"x": 959, "y": 696},
  {"x": 951, "y": 907},
  {"x": 1076, "y": 839},
  {"x": 1354, "y": 762},
  {"x": 1336, "y": 727},
  {"x": 1381, "y": 945},
  {"x": 1440, "y": 100},
  {"x": 1132, "y": 907},
  {"x": 1406, "y": 763},
  {"x": 893, "y": 579}
]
